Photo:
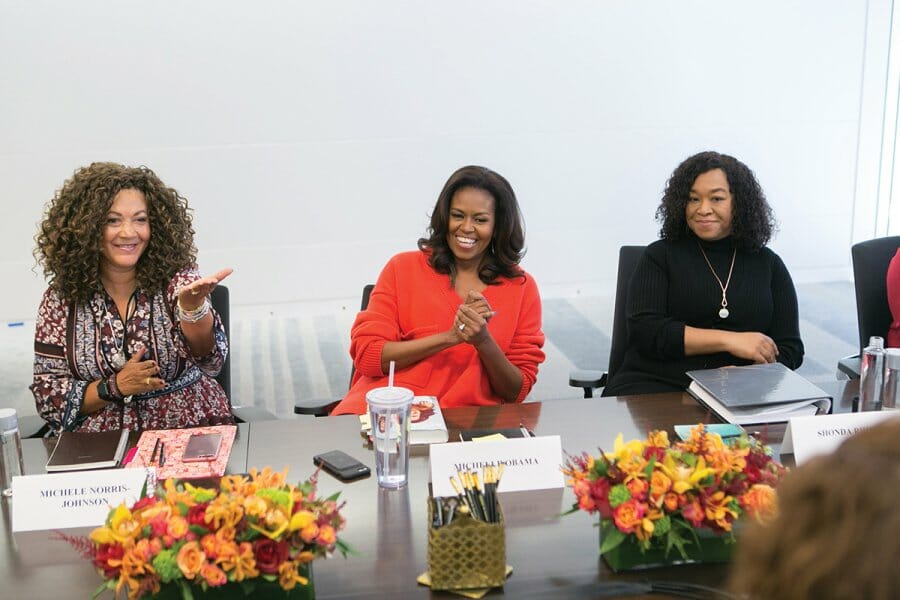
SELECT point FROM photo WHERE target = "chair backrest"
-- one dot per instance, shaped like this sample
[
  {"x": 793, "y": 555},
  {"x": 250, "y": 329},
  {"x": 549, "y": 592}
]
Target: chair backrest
[
  {"x": 628, "y": 260},
  {"x": 366, "y": 293},
  {"x": 870, "y": 263},
  {"x": 219, "y": 298}
]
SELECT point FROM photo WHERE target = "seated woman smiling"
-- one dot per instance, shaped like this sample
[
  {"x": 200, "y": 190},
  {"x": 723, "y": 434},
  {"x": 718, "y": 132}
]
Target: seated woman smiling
[
  {"x": 459, "y": 318},
  {"x": 709, "y": 293}
]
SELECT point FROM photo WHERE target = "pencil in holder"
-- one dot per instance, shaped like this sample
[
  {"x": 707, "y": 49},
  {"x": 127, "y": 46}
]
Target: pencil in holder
[{"x": 466, "y": 553}]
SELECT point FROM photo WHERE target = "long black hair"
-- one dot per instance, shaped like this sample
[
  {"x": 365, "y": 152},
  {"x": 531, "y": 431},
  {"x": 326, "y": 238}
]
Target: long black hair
[{"x": 508, "y": 241}]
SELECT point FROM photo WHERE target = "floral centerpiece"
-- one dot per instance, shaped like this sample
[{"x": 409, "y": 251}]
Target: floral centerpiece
[
  {"x": 252, "y": 535},
  {"x": 654, "y": 497}
]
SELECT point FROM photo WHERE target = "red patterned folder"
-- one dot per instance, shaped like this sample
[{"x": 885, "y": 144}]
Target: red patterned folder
[{"x": 175, "y": 440}]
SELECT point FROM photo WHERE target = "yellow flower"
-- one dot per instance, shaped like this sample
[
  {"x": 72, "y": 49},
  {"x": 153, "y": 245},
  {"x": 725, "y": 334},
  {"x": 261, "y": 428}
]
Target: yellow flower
[
  {"x": 622, "y": 451},
  {"x": 683, "y": 477},
  {"x": 122, "y": 526},
  {"x": 658, "y": 439},
  {"x": 276, "y": 523},
  {"x": 301, "y": 519},
  {"x": 255, "y": 506}
]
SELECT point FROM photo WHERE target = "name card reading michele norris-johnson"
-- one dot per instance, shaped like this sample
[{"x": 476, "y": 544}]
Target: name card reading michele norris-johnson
[
  {"x": 529, "y": 463},
  {"x": 806, "y": 437},
  {"x": 75, "y": 499}
]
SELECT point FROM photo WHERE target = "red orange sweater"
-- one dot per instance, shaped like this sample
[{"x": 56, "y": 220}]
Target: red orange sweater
[{"x": 411, "y": 301}]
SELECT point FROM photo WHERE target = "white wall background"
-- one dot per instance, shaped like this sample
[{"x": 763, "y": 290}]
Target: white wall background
[{"x": 312, "y": 137}]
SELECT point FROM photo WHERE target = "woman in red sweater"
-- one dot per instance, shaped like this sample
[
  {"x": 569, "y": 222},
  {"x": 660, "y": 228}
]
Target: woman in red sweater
[{"x": 459, "y": 318}]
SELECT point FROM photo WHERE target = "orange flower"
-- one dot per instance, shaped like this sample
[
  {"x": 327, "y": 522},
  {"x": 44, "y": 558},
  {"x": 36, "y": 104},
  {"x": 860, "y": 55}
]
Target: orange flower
[
  {"x": 760, "y": 502},
  {"x": 177, "y": 527},
  {"x": 309, "y": 533},
  {"x": 671, "y": 501},
  {"x": 660, "y": 483},
  {"x": 288, "y": 576},
  {"x": 239, "y": 561},
  {"x": 658, "y": 439},
  {"x": 628, "y": 515},
  {"x": 327, "y": 536},
  {"x": 190, "y": 559},
  {"x": 213, "y": 575},
  {"x": 719, "y": 511},
  {"x": 637, "y": 487}
]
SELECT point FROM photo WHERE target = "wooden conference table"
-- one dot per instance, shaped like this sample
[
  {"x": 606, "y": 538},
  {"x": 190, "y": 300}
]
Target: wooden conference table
[{"x": 552, "y": 557}]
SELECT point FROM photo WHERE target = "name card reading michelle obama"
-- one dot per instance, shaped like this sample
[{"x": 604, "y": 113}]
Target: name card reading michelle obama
[
  {"x": 528, "y": 463},
  {"x": 74, "y": 499},
  {"x": 806, "y": 437}
]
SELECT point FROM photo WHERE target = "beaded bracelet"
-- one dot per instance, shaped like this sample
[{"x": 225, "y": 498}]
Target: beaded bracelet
[{"x": 194, "y": 315}]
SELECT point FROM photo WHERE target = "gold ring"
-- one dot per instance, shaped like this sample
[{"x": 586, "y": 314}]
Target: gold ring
[
  {"x": 462, "y": 326},
  {"x": 194, "y": 292},
  {"x": 148, "y": 381}
]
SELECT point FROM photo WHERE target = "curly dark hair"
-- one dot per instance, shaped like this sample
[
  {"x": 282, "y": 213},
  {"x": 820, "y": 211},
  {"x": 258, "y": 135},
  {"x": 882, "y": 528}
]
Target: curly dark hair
[
  {"x": 753, "y": 222},
  {"x": 70, "y": 236},
  {"x": 508, "y": 242},
  {"x": 836, "y": 532}
]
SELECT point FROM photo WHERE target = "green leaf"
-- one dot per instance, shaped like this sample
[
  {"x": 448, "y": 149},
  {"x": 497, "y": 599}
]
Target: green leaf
[
  {"x": 186, "y": 593},
  {"x": 610, "y": 536},
  {"x": 648, "y": 470},
  {"x": 334, "y": 496},
  {"x": 106, "y": 585}
]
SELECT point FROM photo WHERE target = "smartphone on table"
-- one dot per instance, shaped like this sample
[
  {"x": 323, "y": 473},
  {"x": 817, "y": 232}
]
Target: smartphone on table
[
  {"x": 202, "y": 446},
  {"x": 341, "y": 465}
]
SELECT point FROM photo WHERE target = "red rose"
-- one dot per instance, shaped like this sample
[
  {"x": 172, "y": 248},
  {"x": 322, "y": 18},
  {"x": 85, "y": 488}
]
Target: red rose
[
  {"x": 105, "y": 553},
  {"x": 197, "y": 516},
  {"x": 143, "y": 502},
  {"x": 269, "y": 555}
]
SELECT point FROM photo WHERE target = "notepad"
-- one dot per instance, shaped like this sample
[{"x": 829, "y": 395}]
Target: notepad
[{"x": 85, "y": 450}]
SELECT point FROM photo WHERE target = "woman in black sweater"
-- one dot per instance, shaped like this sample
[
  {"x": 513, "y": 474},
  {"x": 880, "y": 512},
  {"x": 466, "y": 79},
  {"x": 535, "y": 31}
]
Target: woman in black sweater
[{"x": 709, "y": 293}]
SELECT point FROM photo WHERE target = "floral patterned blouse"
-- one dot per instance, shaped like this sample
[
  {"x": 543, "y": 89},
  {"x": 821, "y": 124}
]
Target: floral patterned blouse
[{"x": 77, "y": 344}]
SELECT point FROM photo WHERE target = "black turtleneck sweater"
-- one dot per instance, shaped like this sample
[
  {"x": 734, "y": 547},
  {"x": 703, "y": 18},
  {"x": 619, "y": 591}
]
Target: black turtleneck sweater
[{"x": 672, "y": 286}]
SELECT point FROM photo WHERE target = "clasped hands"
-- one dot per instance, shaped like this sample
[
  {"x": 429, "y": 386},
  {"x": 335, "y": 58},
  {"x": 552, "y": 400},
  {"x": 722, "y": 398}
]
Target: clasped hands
[{"x": 470, "y": 323}]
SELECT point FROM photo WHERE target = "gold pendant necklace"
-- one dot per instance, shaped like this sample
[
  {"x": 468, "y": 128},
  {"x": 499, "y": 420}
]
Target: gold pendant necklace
[{"x": 723, "y": 312}]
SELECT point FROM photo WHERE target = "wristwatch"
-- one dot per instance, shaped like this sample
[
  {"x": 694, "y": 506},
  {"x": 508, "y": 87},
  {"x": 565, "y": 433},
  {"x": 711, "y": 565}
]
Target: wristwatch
[{"x": 105, "y": 394}]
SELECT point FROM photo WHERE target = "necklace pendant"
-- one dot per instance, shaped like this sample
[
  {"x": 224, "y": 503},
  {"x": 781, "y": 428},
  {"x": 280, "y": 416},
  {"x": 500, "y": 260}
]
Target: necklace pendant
[
  {"x": 118, "y": 361},
  {"x": 723, "y": 313}
]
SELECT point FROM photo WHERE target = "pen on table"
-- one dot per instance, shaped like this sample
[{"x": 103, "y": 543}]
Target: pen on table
[
  {"x": 162, "y": 453},
  {"x": 525, "y": 431},
  {"x": 155, "y": 450}
]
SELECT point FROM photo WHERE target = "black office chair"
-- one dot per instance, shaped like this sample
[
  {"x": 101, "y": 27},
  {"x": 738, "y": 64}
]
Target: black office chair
[
  {"x": 589, "y": 379},
  {"x": 220, "y": 300},
  {"x": 322, "y": 407},
  {"x": 873, "y": 315}
]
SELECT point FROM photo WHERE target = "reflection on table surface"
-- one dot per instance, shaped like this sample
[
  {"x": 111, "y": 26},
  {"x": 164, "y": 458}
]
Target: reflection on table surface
[{"x": 552, "y": 556}]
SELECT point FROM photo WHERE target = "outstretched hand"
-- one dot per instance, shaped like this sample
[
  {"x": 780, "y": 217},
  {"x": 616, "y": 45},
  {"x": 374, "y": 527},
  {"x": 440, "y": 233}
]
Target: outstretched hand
[
  {"x": 139, "y": 376},
  {"x": 191, "y": 296}
]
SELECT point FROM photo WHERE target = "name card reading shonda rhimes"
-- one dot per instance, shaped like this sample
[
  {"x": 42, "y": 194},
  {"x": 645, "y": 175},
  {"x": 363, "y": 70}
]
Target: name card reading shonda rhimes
[
  {"x": 528, "y": 463},
  {"x": 806, "y": 437},
  {"x": 74, "y": 499}
]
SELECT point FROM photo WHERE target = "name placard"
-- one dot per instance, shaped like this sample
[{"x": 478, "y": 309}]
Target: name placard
[
  {"x": 806, "y": 437},
  {"x": 529, "y": 463},
  {"x": 75, "y": 499}
]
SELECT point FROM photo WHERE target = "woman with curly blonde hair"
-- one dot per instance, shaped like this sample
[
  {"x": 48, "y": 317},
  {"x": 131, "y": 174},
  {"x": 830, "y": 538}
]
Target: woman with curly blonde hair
[
  {"x": 125, "y": 335},
  {"x": 838, "y": 532}
]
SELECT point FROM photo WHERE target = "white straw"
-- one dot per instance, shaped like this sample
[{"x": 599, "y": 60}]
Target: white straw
[{"x": 391, "y": 375}]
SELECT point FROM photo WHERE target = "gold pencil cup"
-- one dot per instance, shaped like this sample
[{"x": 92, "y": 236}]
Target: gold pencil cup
[{"x": 467, "y": 553}]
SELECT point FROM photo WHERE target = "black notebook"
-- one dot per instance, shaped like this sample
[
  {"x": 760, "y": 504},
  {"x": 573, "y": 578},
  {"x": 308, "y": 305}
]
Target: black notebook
[
  {"x": 769, "y": 393},
  {"x": 81, "y": 451}
]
